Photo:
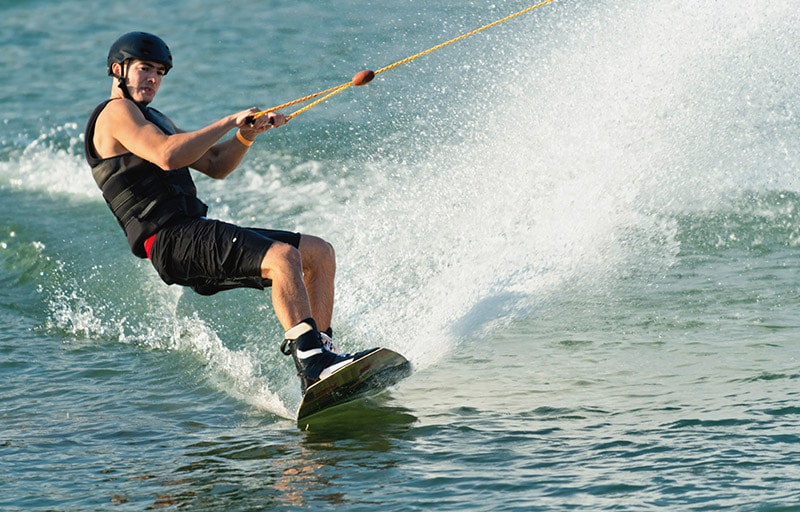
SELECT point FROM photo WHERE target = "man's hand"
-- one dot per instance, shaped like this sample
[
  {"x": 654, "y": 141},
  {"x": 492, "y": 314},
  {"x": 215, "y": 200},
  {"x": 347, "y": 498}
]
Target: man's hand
[{"x": 251, "y": 127}]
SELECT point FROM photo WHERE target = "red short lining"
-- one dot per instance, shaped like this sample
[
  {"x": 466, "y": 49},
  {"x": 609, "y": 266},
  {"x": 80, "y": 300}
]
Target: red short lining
[{"x": 148, "y": 245}]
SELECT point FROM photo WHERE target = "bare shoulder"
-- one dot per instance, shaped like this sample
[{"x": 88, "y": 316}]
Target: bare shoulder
[
  {"x": 121, "y": 109},
  {"x": 118, "y": 122}
]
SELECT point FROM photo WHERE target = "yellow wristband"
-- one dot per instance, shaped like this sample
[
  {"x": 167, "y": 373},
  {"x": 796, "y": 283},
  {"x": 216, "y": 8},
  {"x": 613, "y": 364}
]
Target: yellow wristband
[{"x": 241, "y": 139}]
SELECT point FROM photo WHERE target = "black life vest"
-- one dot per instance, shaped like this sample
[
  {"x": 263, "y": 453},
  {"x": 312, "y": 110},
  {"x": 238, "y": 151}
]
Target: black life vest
[{"x": 143, "y": 197}]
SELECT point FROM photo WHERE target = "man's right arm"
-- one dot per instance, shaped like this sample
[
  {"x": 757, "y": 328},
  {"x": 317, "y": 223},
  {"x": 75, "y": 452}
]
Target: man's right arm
[{"x": 122, "y": 128}]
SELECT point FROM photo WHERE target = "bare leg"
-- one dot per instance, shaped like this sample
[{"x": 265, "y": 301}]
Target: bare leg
[
  {"x": 283, "y": 266},
  {"x": 319, "y": 271}
]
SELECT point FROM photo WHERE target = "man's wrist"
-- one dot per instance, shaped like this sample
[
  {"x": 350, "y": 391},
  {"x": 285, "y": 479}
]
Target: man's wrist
[{"x": 244, "y": 140}]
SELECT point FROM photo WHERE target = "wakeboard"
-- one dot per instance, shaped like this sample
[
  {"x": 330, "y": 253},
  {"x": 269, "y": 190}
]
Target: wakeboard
[{"x": 363, "y": 377}]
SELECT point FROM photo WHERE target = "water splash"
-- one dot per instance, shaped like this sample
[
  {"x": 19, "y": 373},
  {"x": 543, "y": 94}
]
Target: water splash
[
  {"x": 50, "y": 163},
  {"x": 616, "y": 119},
  {"x": 238, "y": 372}
]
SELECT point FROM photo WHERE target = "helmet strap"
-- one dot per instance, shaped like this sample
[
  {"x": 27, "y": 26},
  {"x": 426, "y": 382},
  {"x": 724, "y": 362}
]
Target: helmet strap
[{"x": 122, "y": 80}]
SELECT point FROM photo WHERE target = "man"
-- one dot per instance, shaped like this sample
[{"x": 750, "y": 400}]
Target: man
[{"x": 141, "y": 160}]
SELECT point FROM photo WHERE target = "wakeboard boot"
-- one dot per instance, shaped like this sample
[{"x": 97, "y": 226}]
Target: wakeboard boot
[{"x": 313, "y": 360}]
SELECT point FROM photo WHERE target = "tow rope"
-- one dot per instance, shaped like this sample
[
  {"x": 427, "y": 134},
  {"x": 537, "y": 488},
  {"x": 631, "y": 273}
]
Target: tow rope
[{"x": 366, "y": 76}]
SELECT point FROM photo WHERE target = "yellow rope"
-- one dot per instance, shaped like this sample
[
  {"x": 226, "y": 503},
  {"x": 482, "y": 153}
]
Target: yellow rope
[
  {"x": 327, "y": 93},
  {"x": 333, "y": 90},
  {"x": 463, "y": 36}
]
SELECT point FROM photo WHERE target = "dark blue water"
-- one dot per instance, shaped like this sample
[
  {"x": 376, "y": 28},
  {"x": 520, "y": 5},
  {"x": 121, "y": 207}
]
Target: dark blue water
[{"x": 582, "y": 227}]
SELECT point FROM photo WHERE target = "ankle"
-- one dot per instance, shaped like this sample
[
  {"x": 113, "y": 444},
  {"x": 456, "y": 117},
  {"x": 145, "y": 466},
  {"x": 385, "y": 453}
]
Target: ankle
[
  {"x": 298, "y": 330},
  {"x": 305, "y": 335}
]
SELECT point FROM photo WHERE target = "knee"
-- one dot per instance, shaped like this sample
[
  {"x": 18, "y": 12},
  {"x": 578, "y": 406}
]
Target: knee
[
  {"x": 281, "y": 259},
  {"x": 327, "y": 253},
  {"x": 317, "y": 252}
]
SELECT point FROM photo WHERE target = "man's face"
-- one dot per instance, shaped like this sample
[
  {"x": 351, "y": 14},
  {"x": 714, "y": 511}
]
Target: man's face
[{"x": 144, "y": 79}]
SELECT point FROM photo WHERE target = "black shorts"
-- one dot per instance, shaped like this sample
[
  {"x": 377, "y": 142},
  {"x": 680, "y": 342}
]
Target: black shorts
[{"x": 210, "y": 255}]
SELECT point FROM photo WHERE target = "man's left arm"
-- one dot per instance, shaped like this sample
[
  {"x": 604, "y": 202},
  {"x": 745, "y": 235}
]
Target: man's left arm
[{"x": 223, "y": 158}]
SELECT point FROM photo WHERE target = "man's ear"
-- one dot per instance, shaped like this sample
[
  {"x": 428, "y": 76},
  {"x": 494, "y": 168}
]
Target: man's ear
[{"x": 116, "y": 69}]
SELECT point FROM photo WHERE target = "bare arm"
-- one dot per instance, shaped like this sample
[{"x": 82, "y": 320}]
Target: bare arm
[
  {"x": 123, "y": 128},
  {"x": 223, "y": 158}
]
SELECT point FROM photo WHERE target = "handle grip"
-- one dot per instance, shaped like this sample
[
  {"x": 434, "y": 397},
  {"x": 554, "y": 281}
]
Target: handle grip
[{"x": 252, "y": 119}]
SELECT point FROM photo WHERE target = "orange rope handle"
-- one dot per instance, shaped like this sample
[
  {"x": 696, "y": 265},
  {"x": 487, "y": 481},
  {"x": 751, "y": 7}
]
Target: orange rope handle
[{"x": 327, "y": 93}]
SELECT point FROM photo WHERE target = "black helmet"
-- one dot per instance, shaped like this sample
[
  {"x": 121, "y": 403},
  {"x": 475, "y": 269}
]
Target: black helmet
[{"x": 139, "y": 45}]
